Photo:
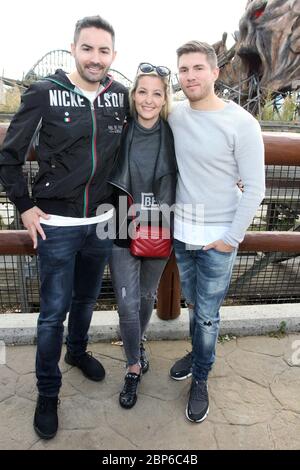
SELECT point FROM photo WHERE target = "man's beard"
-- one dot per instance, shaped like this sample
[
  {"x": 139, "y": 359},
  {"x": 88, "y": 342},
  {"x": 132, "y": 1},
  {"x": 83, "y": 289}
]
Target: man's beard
[
  {"x": 84, "y": 74},
  {"x": 202, "y": 93}
]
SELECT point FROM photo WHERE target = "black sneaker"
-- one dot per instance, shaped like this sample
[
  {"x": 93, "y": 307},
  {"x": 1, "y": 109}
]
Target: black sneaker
[
  {"x": 143, "y": 359},
  {"x": 45, "y": 417},
  {"x": 90, "y": 367},
  {"x": 128, "y": 396},
  {"x": 198, "y": 407},
  {"x": 182, "y": 369}
]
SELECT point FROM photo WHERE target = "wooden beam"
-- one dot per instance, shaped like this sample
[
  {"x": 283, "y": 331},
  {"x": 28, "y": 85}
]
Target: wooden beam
[
  {"x": 15, "y": 242},
  {"x": 18, "y": 242},
  {"x": 271, "y": 242},
  {"x": 282, "y": 148}
]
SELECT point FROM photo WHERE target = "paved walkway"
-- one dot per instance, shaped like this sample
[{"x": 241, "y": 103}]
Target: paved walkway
[{"x": 254, "y": 400}]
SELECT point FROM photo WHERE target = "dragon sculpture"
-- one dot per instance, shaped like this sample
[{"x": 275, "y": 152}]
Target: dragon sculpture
[{"x": 266, "y": 55}]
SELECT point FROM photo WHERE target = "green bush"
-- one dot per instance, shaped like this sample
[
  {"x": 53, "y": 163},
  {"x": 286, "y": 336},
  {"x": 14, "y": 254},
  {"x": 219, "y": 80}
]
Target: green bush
[
  {"x": 287, "y": 112},
  {"x": 12, "y": 100}
]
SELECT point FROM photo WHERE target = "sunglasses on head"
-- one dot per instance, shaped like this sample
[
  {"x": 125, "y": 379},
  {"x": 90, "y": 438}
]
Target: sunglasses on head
[{"x": 145, "y": 67}]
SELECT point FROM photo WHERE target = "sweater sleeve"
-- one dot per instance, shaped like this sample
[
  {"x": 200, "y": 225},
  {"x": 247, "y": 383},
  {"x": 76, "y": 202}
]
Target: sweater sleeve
[
  {"x": 15, "y": 147},
  {"x": 249, "y": 155}
]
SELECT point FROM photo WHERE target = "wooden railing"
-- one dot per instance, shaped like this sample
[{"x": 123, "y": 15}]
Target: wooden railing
[
  {"x": 18, "y": 242},
  {"x": 281, "y": 148}
]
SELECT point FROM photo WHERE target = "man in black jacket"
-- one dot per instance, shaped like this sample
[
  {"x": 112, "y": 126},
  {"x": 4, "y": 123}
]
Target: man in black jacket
[{"x": 77, "y": 120}]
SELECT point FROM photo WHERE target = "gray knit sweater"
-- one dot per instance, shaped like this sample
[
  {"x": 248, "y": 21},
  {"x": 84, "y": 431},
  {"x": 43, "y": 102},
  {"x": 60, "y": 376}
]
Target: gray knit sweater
[{"x": 214, "y": 149}]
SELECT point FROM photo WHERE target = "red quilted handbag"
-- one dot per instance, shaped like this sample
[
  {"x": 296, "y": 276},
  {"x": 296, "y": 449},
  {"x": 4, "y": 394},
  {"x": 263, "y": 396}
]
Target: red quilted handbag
[{"x": 151, "y": 242}]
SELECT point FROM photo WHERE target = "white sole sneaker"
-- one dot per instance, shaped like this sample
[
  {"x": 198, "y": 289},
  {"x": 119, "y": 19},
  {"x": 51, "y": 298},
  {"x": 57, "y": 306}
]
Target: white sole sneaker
[
  {"x": 196, "y": 420},
  {"x": 181, "y": 378}
]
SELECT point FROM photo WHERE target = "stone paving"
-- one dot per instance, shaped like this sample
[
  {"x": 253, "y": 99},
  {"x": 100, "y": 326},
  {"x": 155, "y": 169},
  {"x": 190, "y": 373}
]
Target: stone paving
[{"x": 254, "y": 392}]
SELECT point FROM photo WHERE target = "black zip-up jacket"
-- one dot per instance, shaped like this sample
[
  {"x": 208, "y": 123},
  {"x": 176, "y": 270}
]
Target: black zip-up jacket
[
  {"x": 76, "y": 149},
  {"x": 164, "y": 178}
]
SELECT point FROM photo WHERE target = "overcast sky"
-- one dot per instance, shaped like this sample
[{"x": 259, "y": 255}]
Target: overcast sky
[{"x": 146, "y": 30}]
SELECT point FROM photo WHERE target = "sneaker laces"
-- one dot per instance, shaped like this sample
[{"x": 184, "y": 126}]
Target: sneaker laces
[
  {"x": 45, "y": 403},
  {"x": 87, "y": 355},
  {"x": 187, "y": 358},
  {"x": 199, "y": 390},
  {"x": 131, "y": 381}
]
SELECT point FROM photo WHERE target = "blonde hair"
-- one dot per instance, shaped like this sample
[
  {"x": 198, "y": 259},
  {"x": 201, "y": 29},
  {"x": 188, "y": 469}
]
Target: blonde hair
[{"x": 165, "y": 111}]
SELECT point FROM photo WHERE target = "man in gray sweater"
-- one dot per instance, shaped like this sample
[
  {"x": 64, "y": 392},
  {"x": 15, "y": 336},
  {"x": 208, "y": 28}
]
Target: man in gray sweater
[{"x": 217, "y": 142}]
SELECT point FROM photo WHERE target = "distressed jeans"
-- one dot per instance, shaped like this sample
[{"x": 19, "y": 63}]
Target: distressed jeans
[
  {"x": 71, "y": 261},
  {"x": 135, "y": 281},
  {"x": 205, "y": 278}
]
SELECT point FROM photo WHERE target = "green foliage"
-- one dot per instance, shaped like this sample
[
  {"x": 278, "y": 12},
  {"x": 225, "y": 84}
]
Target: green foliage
[
  {"x": 286, "y": 112},
  {"x": 281, "y": 332},
  {"x": 289, "y": 108},
  {"x": 267, "y": 112},
  {"x": 12, "y": 100},
  {"x": 225, "y": 338}
]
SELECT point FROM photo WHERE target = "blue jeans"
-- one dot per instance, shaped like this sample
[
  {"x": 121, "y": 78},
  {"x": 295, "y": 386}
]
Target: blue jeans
[
  {"x": 205, "y": 278},
  {"x": 71, "y": 261}
]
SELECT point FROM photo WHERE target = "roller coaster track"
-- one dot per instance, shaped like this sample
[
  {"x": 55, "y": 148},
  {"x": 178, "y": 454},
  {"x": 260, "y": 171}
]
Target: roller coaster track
[
  {"x": 60, "y": 58},
  {"x": 49, "y": 63}
]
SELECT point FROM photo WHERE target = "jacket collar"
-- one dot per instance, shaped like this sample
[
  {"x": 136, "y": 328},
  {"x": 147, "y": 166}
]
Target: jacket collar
[{"x": 165, "y": 162}]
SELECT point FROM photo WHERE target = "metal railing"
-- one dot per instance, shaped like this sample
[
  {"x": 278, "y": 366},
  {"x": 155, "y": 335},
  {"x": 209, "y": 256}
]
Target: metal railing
[{"x": 267, "y": 266}]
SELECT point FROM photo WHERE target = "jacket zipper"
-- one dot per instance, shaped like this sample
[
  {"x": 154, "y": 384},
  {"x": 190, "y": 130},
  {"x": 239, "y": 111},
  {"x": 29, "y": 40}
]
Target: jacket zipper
[{"x": 94, "y": 162}]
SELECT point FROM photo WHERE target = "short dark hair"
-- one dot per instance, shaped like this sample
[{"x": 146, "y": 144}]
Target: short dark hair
[
  {"x": 202, "y": 47},
  {"x": 93, "y": 22}
]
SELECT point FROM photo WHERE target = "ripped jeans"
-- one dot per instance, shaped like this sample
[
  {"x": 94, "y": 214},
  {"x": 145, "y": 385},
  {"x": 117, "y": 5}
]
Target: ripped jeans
[
  {"x": 205, "y": 278},
  {"x": 135, "y": 281}
]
